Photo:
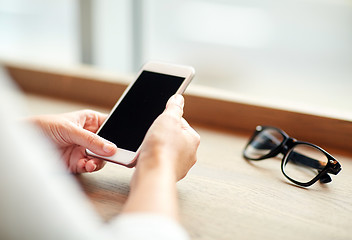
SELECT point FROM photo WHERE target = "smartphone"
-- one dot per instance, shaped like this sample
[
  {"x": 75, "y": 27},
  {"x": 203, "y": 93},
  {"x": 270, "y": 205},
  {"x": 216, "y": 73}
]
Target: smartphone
[{"x": 141, "y": 103}]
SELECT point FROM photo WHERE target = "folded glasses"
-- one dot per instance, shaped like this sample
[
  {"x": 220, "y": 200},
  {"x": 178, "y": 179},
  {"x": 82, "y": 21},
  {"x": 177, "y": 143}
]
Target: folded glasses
[{"x": 303, "y": 163}]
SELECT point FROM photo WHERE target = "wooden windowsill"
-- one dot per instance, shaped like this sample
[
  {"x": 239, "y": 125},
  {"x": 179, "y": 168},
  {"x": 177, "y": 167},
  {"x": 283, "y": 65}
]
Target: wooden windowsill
[
  {"x": 205, "y": 106},
  {"x": 223, "y": 196}
]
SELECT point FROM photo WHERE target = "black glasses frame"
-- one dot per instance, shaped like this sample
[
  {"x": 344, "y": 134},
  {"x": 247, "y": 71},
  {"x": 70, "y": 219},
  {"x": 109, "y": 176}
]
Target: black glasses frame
[{"x": 286, "y": 146}]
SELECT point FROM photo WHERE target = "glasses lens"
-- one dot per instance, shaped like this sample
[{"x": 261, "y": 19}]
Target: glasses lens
[
  {"x": 304, "y": 162},
  {"x": 263, "y": 143}
]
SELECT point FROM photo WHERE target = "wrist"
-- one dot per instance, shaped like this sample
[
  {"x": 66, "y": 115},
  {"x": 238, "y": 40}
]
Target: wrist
[
  {"x": 35, "y": 120},
  {"x": 160, "y": 164},
  {"x": 156, "y": 168},
  {"x": 153, "y": 187}
]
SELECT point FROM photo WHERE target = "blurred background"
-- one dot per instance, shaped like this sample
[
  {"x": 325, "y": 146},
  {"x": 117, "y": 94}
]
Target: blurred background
[{"x": 289, "y": 51}]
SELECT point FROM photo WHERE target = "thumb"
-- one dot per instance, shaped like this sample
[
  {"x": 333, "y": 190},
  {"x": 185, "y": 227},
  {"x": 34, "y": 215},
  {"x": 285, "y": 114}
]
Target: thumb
[
  {"x": 175, "y": 105},
  {"x": 92, "y": 141}
]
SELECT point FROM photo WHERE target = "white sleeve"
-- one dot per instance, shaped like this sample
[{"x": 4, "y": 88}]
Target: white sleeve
[
  {"x": 41, "y": 200},
  {"x": 147, "y": 226}
]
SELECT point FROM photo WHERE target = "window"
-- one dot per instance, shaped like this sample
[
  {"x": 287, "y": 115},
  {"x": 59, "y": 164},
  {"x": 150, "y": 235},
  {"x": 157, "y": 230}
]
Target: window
[
  {"x": 39, "y": 30},
  {"x": 289, "y": 51}
]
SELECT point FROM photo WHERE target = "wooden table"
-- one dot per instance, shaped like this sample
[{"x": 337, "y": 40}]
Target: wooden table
[{"x": 226, "y": 197}]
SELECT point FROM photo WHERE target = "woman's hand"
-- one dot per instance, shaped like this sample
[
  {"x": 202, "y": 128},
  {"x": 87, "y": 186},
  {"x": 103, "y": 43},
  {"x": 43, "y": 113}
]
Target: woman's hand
[
  {"x": 167, "y": 153},
  {"x": 72, "y": 133},
  {"x": 171, "y": 143}
]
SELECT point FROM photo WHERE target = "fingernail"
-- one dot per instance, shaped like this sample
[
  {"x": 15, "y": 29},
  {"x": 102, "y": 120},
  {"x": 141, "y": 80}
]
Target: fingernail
[
  {"x": 94, "y": 167},
  {"x": 179, "y": 100},
  {"x": 108, "y": 148},
  {"x": 91, "y": 167}
]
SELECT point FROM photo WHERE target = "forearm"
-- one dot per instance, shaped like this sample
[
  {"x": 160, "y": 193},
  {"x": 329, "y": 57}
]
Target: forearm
[{"x": 153, "y": 189}]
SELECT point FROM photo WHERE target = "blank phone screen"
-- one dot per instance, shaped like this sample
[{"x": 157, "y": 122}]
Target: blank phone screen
[{"x": 143, "y": 103}]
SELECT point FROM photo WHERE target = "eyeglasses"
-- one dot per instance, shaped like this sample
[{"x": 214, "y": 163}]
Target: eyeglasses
[{"x": 303, "y": 163}]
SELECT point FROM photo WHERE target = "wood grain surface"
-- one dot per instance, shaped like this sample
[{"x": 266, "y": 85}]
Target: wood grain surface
[
  {"x": 205, "y": 106},
  {"x": 227, "y": 197}
]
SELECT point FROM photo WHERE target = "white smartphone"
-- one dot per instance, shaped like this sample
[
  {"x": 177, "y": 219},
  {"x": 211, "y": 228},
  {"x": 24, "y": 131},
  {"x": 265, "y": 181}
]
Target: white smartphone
[{"x": 141, "y": 103}]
